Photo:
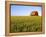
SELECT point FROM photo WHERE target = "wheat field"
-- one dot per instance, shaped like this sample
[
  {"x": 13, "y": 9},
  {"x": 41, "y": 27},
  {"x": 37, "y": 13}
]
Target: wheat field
[{"x": 25, "y": 24}]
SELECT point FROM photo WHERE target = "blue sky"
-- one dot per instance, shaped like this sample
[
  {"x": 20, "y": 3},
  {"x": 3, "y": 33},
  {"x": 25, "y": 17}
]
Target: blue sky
[{"x": 19, "y": 10}]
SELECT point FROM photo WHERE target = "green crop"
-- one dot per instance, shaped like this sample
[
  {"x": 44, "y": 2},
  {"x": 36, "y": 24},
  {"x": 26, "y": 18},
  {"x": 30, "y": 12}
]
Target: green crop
[{"x": 25, "y": 24}]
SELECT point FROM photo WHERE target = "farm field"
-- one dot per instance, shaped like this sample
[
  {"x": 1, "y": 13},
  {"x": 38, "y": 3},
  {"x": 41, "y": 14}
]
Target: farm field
[{"x": 25, "y": 24}]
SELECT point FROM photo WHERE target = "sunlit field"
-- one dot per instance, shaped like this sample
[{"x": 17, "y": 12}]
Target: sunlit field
[{"x": 25, "y": 24}]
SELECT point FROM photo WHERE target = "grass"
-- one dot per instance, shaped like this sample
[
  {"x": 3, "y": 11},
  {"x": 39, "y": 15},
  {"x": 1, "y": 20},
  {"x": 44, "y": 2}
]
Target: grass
[{"x": 25, "y": 24}]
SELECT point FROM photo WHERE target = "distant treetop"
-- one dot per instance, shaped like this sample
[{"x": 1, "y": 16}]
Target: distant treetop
[{"x": 34, "y": 13}]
